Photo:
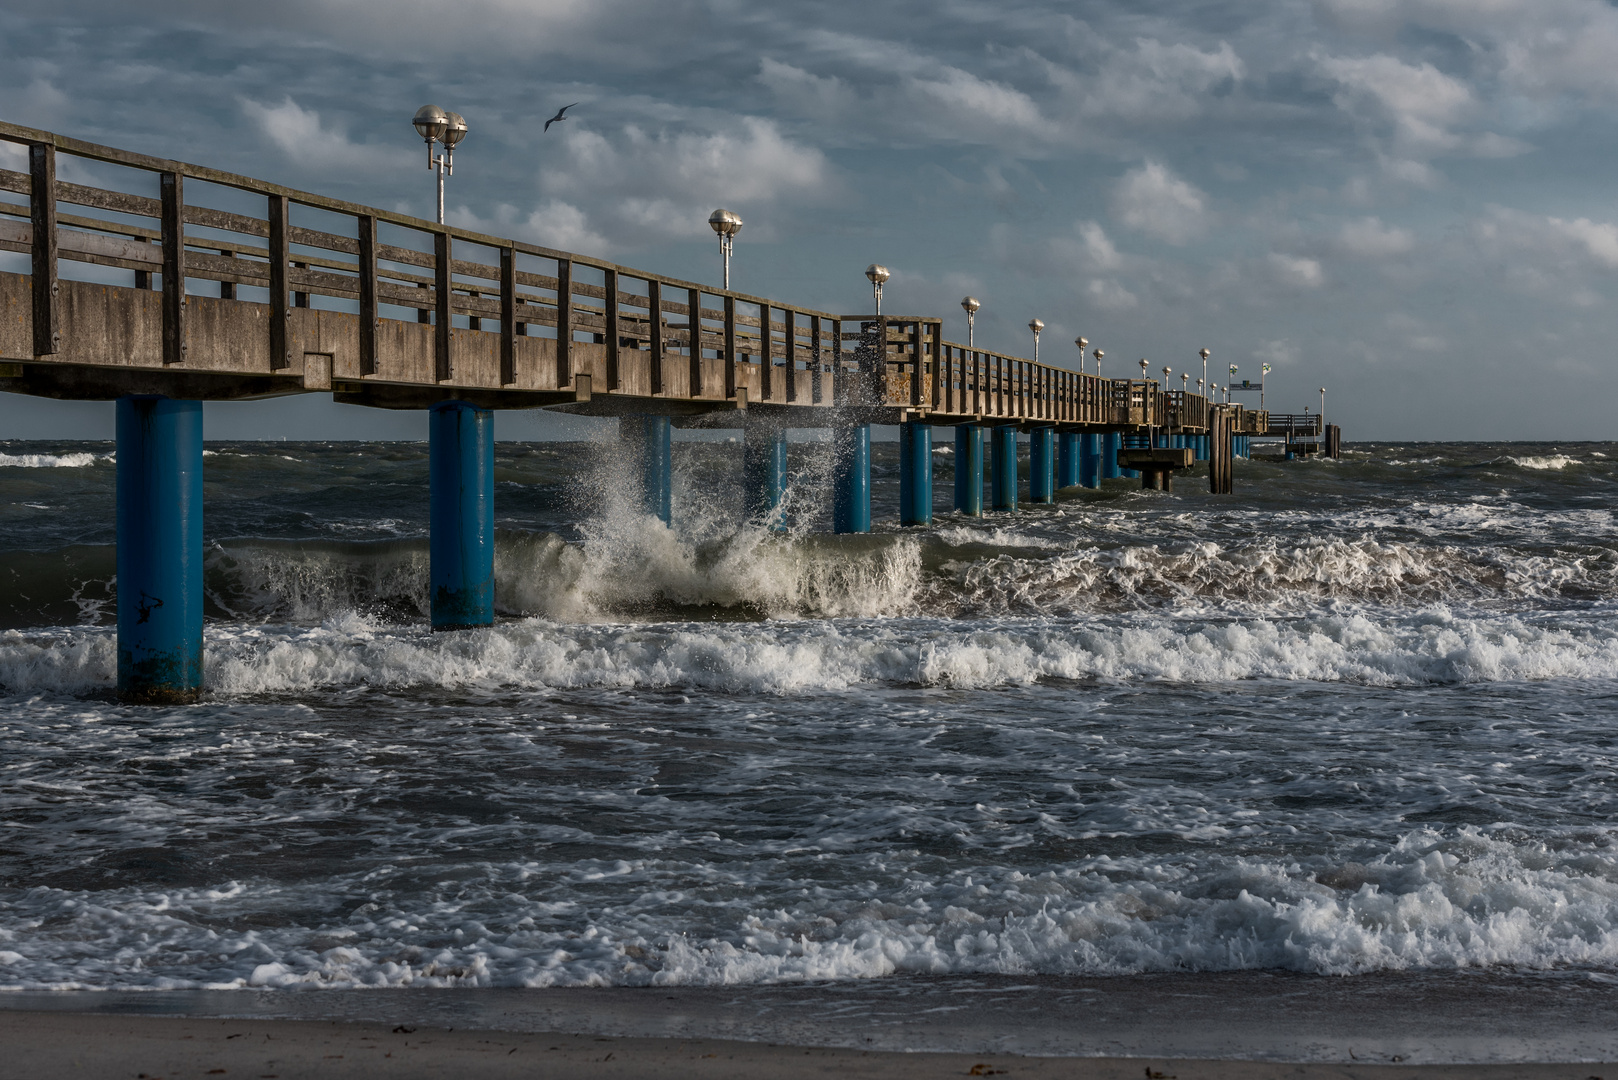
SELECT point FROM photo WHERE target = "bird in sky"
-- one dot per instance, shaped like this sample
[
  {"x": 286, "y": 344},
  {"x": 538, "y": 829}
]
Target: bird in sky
[{"x": 558, "y": 115}]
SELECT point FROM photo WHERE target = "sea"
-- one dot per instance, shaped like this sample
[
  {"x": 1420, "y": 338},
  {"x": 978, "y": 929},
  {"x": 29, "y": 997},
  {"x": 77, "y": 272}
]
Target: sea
[{"x": 1354, "y": 722}]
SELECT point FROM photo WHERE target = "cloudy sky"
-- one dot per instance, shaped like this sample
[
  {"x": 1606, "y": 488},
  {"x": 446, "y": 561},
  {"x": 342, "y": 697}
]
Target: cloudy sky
[{"x": 1411, "y": 202}]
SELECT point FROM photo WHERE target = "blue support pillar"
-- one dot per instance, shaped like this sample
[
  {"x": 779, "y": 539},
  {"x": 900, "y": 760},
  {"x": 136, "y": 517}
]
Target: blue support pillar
[
  {"x": 1003, "y": 468},
  {"x": 764, "y": 470},
  {"x": 1111, "y": 442},
  {"x": 1199, "y": 443},
  {"x": 159, "y": 550},
  {"x": 969, "y": 469},
  {"x": 915, "y": 473},
  {"x": 1132, "y": 442},
  {"x": 1042, "y": 465},
  {"x": 1069, "y": 459},
  {"x": 460, "y": 519},
  {"x": 1090, "y": 460},
  {"x": 648, "y": 442},
  {"x": 851, "y": 478}
]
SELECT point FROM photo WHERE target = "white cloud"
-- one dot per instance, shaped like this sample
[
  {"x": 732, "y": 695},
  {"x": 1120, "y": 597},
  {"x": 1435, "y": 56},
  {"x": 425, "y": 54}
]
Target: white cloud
[
  {"x": 311, "y": 144},
  {"x": 1368, "y": 238},
  {"x": 665, "y": 183},
  {"x": 1086, "y": 249},
  {"x": 1109, "y": 295},
  {"x": 1576, "y": 245},
  {"x": 1277, "y": 352},
  {"x": 1421, "y": 102},
  {"x": 1150, "y": 83},
  {"x": 556, "y": 224},
  {"x": 1297, "y": 271},
  {"x": 1155, "y": 201}
]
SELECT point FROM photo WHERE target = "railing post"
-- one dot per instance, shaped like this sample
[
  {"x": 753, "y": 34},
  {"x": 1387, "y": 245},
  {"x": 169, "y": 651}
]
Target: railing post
[
  {"x": 508, "y": 316},
  {"x": 42, "y": 216},
  {"x": 564, "y": 323},
  {"x": 790, "y": 348},
  {"x": 817, "y": 363},
  {"x": 280, "y": 313},
  {"x": 173, "y": 223},
  {"x": 443, "y": 251},
  {"x": 654, "y": 304},
  {"x": 612, "y": 335},
  {"x": 367, "y": 274},
  {"x": 766, "y": 358},
  {"x": 730, "y": 347},
  {"x": 693, "y": 322}
]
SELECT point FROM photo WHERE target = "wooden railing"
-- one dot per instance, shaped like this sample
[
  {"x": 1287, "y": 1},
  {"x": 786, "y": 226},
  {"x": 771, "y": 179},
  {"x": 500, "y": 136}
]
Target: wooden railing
[{"x": 381, "y": 297}]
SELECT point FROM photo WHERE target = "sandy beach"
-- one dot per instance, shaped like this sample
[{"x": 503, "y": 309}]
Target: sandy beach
[{"x": 91, "y": 1046}]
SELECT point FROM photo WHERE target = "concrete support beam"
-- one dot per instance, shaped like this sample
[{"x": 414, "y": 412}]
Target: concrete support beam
[
  {"x": 1068, "y": 458},
  {"x": 915, "y": 473},
  {"x": 1003, "y": 468},
  {"x": 969, "y": 469},
  {"x": 764, "y": 470},
  {"x": 647, "y": 443},
  {"x": 1111, "y": 443},
  {"x": 1042, "y": 466},
  {"x": 1090, "y": 447},
  {"x": 460, "y": 453},
  {"x": 159, "y": 550},
  {"x": 851, "y": 478}
]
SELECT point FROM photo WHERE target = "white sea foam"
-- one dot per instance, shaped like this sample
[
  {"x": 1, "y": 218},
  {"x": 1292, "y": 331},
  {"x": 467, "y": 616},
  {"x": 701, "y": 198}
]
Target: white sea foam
[
  {"x": 1549, "y": 461},
  {"x": 1430, "y": 901},
  {"x": 77, "y": 460},
  {"x": 1434, "y": 647}
]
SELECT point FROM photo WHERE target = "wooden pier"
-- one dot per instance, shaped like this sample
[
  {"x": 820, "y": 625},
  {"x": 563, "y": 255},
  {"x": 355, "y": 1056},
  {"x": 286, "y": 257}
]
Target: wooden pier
[
  {"x": 184, "y": 297},
  {"x": 405, "y": 313}
]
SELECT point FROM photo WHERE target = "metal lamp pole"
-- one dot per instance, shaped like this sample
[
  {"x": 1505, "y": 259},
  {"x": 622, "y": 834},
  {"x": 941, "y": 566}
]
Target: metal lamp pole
[
  {"x": 725, "y": 224},
  {"x": 1204, "y": 355},
  {"x": 1036, "y": 326},
  {"x": 439, "y": 125},
  {"x": 1098, "y": 354},
  {"x": 970, "y": 305},
  {"x": 878, "y": 274},
  {"x": 1081, "y": 343}
]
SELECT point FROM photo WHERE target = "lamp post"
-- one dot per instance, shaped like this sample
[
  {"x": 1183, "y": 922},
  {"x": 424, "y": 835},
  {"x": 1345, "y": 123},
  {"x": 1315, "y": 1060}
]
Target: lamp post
[
  {"x": 1167, "y": 371},
  {"x": 439, "y": 125},
  {"x": 1322, "y": 412},
  {"x": 1144, "y": 363},
  {"x": 1081, "y": 343},
  {"x": 725, "y": 224},
  {"x": 1098, "y": 354},
  {"x": 1204, "y": 355},
  {"x": 1036, "y": 326},
  {"x": 970, "y": 305},
  {"x": 877, "y": 273}
]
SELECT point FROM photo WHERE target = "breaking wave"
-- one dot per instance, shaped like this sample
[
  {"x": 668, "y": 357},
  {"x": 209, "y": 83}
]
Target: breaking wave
[
  {"x": 1433, "y": 900},
  {"x": 1430, "y": 647},
  {"x": 51, "y": 461}
]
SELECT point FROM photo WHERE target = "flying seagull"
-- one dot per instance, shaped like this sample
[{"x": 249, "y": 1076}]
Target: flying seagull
[{"x": 558, "y": 115}]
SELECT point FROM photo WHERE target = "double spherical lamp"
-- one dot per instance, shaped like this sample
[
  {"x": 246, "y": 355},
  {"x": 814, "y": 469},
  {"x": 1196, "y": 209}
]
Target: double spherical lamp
[
  {"x": 437, "y": 125},
  {"x": 726, "y": 224}
]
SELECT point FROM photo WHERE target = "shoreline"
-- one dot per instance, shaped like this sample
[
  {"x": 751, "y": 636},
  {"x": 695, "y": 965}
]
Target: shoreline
[
  {"x": 42, "y": 1045},
  {"x": 1465, "y": 1019}
]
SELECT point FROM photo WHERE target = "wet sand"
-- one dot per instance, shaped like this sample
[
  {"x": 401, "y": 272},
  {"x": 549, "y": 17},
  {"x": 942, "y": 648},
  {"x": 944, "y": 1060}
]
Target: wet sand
[{"x": 45, "y": 1045}]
